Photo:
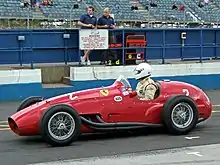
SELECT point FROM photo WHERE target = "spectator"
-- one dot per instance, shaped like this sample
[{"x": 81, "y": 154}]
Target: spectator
[
  {"x": 37, "y": 4},
  {"x": 87, "y": 21},
  {"x": 182, "y": 8},
  {"x": 107, "y": 22},
  {"x": 153, "y": 3},
  {"x": 44, "y": 3},
  {"x": 174, "y": 7},
  {"x": 134, "y": 7},
  {"x": 147, "y": 8},
  {"x": 26, "y": 3},
  {"x": 50, "y": 2}
]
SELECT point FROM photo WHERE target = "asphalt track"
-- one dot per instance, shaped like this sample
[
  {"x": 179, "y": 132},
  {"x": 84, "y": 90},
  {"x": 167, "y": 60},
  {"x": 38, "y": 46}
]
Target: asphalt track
[{"x": 25, "y": 150}]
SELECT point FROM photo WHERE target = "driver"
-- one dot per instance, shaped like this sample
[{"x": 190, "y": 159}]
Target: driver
[{"x": 146, "y": 87}]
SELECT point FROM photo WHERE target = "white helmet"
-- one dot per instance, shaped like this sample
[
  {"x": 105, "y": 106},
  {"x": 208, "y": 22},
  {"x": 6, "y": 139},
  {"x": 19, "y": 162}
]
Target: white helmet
[{"x": 142, "y": 70}]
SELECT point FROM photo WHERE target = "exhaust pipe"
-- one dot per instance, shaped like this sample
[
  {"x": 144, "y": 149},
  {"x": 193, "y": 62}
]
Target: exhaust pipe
[
  {"x": 103, "y": 126},
  {"x": 99, "y": 119},
  {"x": 115, "y": 126}
]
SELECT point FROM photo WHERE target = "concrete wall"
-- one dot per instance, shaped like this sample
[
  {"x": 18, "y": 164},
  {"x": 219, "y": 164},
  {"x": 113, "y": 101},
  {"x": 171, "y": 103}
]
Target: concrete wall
[
  {"x": 204, "y": 75},
  {"x": 112, "y": 72},
  {"x": 20, "y": 76},
  {"x": 18, "y": 84}
]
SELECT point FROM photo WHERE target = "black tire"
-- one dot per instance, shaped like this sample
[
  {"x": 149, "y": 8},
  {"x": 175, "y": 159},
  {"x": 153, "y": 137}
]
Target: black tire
[
  {"x": 29, "y": 101},
  {"x": 168, "y": 109},
  {"x": 45, "y": 133}
]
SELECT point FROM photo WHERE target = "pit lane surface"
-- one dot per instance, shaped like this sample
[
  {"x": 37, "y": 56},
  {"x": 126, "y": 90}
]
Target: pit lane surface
[{"x": 26, "y": 150}]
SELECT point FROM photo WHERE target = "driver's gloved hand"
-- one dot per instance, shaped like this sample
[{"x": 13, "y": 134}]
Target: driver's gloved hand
[{"x": 130, "y": 90}]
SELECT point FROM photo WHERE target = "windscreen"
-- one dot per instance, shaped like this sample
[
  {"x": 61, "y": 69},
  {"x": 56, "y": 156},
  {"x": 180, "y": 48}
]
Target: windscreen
[{"x": 123, "y": 80}]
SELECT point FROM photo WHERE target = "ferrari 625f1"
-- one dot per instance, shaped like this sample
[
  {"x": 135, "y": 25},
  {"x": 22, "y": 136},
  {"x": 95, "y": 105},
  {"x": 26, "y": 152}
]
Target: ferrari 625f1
[{"x": 60, "y": 120}]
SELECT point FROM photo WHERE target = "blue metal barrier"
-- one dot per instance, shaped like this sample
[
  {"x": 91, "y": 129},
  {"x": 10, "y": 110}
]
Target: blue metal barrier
[{"x": 51, "y": 46}]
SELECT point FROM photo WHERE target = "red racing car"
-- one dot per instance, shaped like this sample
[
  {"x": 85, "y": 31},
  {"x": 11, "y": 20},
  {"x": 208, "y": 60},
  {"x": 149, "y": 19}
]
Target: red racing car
[{"x": 177, "y": 106}]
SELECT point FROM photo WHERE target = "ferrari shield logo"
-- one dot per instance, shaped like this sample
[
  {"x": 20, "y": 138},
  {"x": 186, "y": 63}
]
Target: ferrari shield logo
[{"x": 104, "y": 92}]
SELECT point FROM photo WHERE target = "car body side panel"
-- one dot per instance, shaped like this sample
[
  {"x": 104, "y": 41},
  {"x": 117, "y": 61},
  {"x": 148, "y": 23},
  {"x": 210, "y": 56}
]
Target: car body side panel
[{"x": 126, "y": 111}]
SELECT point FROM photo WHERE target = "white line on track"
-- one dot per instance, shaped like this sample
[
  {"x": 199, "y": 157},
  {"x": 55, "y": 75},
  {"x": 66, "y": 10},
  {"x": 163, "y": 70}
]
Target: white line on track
[
  {"x": 216, "y": 105},
  {"x": 4, "y": 125},
  {"x": 192, "y": 137}
]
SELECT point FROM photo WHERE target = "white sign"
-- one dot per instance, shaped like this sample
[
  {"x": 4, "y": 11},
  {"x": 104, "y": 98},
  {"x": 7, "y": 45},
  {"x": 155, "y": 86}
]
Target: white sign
[{"x": 93, "y": 39}]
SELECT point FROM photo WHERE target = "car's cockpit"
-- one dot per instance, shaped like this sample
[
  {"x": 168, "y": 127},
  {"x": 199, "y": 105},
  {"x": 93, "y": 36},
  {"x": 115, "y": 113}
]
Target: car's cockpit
[
  {"x": 124, "y": 81},
  {"x": 157, "y": 93}
]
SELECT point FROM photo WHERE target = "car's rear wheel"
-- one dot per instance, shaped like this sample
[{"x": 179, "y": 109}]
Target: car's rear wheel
[
  {"x": 29, "y": 101},
  {"x": 180, "y": 115},
  {"x": 60, "y": 125}
]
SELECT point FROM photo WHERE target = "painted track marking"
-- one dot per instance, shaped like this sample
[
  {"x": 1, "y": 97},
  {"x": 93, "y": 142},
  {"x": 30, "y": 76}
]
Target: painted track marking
[
  {"x": 216, "y": 105},
  {"x": 193, "y": 137},
  {"x": 216, "y": 111},
  {"x": 3, "y": 125},
  {"x": 4, "y": 129},
  {"x": 195, "y": 153}
]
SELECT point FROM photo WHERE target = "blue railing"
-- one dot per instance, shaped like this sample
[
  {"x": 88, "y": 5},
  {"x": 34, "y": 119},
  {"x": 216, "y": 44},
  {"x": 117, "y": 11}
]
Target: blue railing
[{"x": 50, "y": 46}]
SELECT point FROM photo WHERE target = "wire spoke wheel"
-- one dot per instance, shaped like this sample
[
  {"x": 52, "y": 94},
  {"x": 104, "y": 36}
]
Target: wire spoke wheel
[
  {"x": 61, "y": 126},
  {"x": 182, "y": 115}
]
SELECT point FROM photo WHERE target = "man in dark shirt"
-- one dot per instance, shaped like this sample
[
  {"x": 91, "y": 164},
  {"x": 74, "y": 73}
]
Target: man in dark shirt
[
  {"x": 174, "y": 7},
  {"x": 107, "y": 22},
  {"x": 87, "y": 21},
  {"x": 134, "y": 7},
  {"x": 153, "y": 3}
]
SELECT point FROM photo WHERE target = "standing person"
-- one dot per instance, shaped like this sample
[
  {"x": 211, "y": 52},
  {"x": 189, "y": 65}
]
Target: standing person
[
  {"x": 107, "y": 22},
  {"x": 174, "y": 7},
  {"x": 87, "y": 21}
]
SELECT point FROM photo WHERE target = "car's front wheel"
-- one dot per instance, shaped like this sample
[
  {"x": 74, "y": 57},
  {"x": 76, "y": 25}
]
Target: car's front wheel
[
  {"x": 60, "y": 125},
  {"x": 180, "y": 115}
]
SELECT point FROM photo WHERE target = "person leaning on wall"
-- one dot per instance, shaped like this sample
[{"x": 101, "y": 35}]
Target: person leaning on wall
[{"x": 87, "y": 21}]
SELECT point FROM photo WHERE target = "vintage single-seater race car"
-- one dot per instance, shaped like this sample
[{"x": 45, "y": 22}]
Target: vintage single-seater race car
[{"x": 177, "y": 106}]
